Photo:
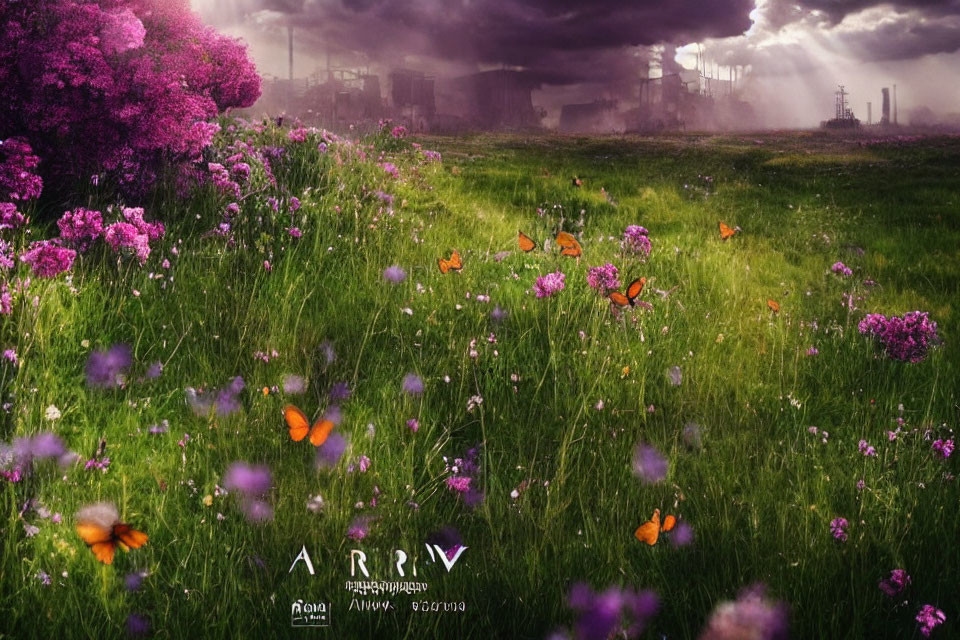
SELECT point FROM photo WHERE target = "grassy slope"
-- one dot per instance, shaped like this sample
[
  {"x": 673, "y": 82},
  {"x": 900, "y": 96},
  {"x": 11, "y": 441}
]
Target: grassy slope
[{"x": 760, "y": 494}]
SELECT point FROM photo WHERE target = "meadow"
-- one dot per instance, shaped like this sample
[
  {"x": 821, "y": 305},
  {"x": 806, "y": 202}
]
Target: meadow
[{"x": 470, "y": 411}]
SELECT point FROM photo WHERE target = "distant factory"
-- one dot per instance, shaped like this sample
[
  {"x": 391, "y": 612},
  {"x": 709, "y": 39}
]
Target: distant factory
[
  {"x": 843, "y": 117},
  {"x": 665, "y": 97}
]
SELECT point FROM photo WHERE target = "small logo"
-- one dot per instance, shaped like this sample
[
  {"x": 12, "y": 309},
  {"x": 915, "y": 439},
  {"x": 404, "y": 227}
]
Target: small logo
[{"x": 310, "y": 614}]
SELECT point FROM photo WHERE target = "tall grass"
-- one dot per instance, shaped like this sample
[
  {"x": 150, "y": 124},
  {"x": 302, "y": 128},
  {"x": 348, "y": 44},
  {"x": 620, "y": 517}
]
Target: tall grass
[{"x": 760, "y": 492}]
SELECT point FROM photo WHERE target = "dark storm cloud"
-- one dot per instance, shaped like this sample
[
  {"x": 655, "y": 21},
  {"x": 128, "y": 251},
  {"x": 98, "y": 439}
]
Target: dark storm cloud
[{"x": 560, "y": 41}]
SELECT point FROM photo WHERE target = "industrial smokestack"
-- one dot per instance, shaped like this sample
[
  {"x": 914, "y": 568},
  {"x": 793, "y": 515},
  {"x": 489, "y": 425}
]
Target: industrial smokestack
[
  {"x": 869, "y": 113},
  {"x": 894, "y": 104},
  {"x": 885, "y": 117}
]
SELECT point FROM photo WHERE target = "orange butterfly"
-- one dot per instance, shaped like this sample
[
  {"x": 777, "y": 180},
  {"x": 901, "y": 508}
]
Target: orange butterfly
[
  {"x": 526, "y": 242},
  {"x": 100, "y": 527},
  {"x": 299, "y": 426},
  {"x": 650, "y": 530},
  {"x": 633, "y": 290},
  {"x": 726, "y": 232},
  {"x": 453, "y": 263},
  {"x": 570, "y": 245},
  {"x": 774, "y": 306}
]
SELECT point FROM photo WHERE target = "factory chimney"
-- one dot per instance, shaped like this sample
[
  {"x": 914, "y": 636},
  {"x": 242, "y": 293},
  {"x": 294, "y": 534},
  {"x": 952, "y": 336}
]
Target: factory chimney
[
  {"x": 869, "y": 113},
  {"x": 885, "y": 118},
  {"x": 894, "y": 104}
]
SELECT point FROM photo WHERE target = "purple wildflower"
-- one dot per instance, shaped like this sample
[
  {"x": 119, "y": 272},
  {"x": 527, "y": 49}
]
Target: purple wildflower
[
  {"x": 907, "y": 339},
  {"x": 390, "y": 169},
  {"x": 330, "y": 452},
  {"x": 812, "y": 351},
  {"x": 838, "y": 528},
  {"x": 649, "y": 465},
  {"x": 498, "y": 314},
  {"x": 896, "y": 583},
  {"x": 636, "y": 240},
  {"x": 841, "y": 269},
  {"x": 412, "y": 384},
  {"x": 257, "y": 511},
  {"x": 459, "y": 484},
  {"x": 394, "y": 274},
  {"x": 46, "y": 445},
  {"x": 549, "y": 284},
  {"x": 682, "y": 535},
  {"x": 133, "y": 581},
  {"x": 752, "y": 616},
  {"x": 18, "y": 181},
  {"x": 105, "y": 369},
  {"x": 294, "y": 385},
  {"x": 359, "y": 528},
  {"x": 339, "y": 391},
  {"x": 48, "y": 259},
  {"x": 362, "y": 463},
  {"x": 413, "y": 424},
  {"x": 929, "y": 618},
  {"x": 154, "y": 371},
  {"x": 10, "y": 218},
  {"x": 602, "y": 614},
  {"x": 603, "y": 279},
  {"x": 251, "y": 480},
  {"x": 137, "y": 625},
  {"x": 81, "y": 227},
  {"x": 943, "y": 447},
  {"x": 866, "y": 449},
  {"x": 298, "y": 135}
]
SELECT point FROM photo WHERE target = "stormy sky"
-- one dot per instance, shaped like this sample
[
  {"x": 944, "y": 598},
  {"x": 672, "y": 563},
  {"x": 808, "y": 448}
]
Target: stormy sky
[{"x": 795, "y": 51}]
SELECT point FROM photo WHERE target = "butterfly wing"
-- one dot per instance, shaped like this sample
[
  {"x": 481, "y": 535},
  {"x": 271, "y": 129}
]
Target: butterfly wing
[
  {"x": 573, "y": 252},
  {"x": 297, "y": 422},
  {"x": 455, "y": 262},
  {"x": 320, "y": 432},
  {"x": 566, "y": 240},
  {"x": 774, "y": 306},
  {"x": 526, "y": 242},
  {"x": 649, "y": 531},
  {"x": 104, "y": 551},
  {"x": 725, "y": 231},
  {"x": 128, "y": 536},
  {"x": 99, "y": 540},
  {"x": 668, "y": 523},
  {"x": 443, "y": 264},
  {"x": 634, "y": 288},
  {"x": 619, "y": 299}
]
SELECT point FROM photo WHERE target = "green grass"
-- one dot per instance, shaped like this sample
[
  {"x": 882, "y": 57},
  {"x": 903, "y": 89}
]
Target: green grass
[{"x": 760, "y": 493}]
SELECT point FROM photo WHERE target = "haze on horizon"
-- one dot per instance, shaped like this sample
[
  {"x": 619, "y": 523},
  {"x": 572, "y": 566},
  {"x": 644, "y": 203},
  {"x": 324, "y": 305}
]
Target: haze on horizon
[{"x": 791, "y": 54}]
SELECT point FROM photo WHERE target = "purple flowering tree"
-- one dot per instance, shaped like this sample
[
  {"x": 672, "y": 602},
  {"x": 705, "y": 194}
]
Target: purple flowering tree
[{"x": 116, "y": 87}]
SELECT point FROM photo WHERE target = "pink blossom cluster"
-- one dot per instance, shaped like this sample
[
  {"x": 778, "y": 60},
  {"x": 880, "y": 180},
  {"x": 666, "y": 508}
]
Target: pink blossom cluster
[
  {"x": 48, "y": 259},
  {"x": 134, "y": 235},
  {"x": 907, "y": 339},
  {"x": 549, "y": 284},
  {"x": 10, "y": 218},
  {"x": 119, "y": 87},
  {"x": 603, "y": 279},
  {"x": 636, "y": 240},
  {"x": 18, "y": 179},
  {"x": 841, "y": 269},
  {"x": 929, "y": 617},
  {"x": 81, "y": 227}
]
